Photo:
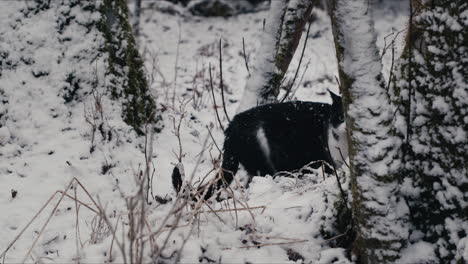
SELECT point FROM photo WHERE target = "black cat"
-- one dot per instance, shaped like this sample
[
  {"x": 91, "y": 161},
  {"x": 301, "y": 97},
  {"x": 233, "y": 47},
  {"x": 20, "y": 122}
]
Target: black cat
[{"x": 284, "y": 137}]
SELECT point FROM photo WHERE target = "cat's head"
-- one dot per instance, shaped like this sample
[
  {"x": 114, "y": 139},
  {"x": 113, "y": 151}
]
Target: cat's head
[{"x": 337, "y": 114}]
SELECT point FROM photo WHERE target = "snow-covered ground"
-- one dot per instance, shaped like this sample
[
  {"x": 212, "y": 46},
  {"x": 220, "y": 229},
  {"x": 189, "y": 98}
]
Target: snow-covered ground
[{"x": 46, "y": 144}]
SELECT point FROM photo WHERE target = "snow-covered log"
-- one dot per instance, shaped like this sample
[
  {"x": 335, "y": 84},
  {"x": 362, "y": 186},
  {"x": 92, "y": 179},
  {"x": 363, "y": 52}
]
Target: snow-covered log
[{"x": 379, "y": 215}]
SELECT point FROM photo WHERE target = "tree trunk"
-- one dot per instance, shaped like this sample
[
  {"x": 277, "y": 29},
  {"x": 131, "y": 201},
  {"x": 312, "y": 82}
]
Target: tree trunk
[
  {"x": 429, "y": 125},
  {"x": 280, "y": 38},
  {"x": 379, "y": 215},
  {"x": 431, "y": 90},
  {"x": 127, "y": 79}
]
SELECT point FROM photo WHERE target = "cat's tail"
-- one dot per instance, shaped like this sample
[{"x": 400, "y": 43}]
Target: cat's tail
[{"x": 228, "y": 170}]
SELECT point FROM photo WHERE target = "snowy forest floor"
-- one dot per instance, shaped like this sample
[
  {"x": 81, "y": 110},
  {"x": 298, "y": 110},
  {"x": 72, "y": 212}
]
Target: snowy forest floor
[{"x": 287, "y": 216}]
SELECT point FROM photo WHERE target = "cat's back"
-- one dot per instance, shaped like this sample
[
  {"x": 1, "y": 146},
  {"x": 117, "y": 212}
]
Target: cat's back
[{"x": 290, "y": 112}]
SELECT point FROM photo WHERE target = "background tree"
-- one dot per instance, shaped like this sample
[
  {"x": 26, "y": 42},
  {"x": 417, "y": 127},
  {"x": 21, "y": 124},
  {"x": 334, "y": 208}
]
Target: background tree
[
  {"x": 414, "y": 152},
  {"x": 430, "y": 90},
  {"x": 282, "y": 32},
  {"x": 125, "y": 66},
  {"x": 112, "y": 61}
]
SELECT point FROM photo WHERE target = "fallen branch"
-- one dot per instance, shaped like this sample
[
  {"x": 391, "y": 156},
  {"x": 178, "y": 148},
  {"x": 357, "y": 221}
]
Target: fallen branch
[
  {"x": 237, "y": 209},
  {"x": 269, "y": 244}
]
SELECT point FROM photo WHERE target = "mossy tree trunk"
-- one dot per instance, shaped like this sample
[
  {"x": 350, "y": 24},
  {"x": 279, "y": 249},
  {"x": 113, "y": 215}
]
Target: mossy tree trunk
[
  {"x": 430, "y": 88},
  {"x": 109, "y": 38},
  {"x": 127, "y": 80},
  {"x": 295, "y": 18},
  {"x": 379, "y": 216},
  {"x": 136, "y": 18},
  {"x": 281, "y": 36},
  {"x": 420, "y": 147}
]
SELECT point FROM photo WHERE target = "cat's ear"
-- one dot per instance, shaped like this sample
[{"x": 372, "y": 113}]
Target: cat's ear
[{"x": 335, "y": 98}]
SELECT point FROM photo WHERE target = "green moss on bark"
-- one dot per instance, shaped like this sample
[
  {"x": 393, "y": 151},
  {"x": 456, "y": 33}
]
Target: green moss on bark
[
  {"x": 127, "y": 80},
  {"x": 377, "y": 238}
]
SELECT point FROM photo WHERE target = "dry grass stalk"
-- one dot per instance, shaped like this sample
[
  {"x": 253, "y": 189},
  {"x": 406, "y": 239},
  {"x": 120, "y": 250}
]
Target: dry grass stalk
[
  {"x": 113, "y": 232},
  {"x": 63, "y": 194},
  {"x": 263, "y": 207},
  {"x": 112, "y": 241},
  {"x": 221, "y": 85},
  {"x": 214, "y": 99},
  {"x": 77, "y": 225}
]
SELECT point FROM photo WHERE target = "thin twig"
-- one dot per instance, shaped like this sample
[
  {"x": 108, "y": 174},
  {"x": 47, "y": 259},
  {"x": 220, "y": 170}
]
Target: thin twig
[
  {"x": 392, "y": 65},
  {"x": 211, "y": 211},
  {"x": 342, "y": 157},
  {"x": 27, "y": 225},
  {"x": 221, "y": 81},
  {"x": 214, "y": 141},
  {"x": 214, "y": 99},
  {"x": 148, "y": 156},
  {"x": 175, "y": 209},
  {"x": 338, "y": 82},
  {"x": 245, "y": 56},
  {"x": 152, "y": 234},
  {"x": 191, "y": 223},
  {"x": 80, "y": 202},
  {"x": 176, "y": 66},
  {"x": 238, "y": 209},
  {"x": 384, "y": 50},
  {"x": 77, "y": 226},
  {"x": 246, "y": 205},
  {"x": 47, "y": 221},
  {"x": 343, "y": 195},
  {"x": 269, "y": 244},
  {"x": 43, "y": 207},
  {"x": 142, "y": 214},
  {"x": 113, "y": 238},
  {"x": 86, "y": 191},
  {"x": 300, "y": 80},
  {"x": 113, "y": 230},
  {"x": 299, "y": 65},
  {"x": 338, "y": 236}
]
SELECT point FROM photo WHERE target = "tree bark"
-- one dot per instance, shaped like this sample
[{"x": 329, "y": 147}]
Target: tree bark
[
  {"x": 127, "y": 80},
  {"x": 379, "y": 215},
  {"x": 431, "y": 89},
  {"x": 136, "y": 19},
  {"x": 280, "y": 38}
]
